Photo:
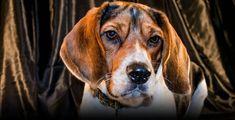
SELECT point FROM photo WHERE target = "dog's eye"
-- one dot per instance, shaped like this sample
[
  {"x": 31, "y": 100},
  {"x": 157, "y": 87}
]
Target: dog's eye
[
  {"x": 154, "y": 41},
  {"x": 112, "y": 36}
]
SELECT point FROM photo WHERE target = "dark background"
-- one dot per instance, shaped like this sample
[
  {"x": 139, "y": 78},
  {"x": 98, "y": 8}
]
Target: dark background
[{"x": 35, "y": 84}]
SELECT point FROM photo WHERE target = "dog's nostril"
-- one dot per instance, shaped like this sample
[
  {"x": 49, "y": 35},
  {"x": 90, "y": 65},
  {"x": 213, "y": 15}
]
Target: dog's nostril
[{"x": 138, "y": 73}]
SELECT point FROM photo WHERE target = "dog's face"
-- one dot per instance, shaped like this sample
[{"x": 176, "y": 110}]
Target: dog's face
[{"x": 134, "y": 44}]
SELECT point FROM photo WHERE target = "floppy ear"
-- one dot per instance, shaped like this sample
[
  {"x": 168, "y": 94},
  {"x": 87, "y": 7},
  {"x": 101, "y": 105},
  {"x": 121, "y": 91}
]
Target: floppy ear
[
  {"x": 82, "y": 51},
  {"x": 175, "y": 61}
]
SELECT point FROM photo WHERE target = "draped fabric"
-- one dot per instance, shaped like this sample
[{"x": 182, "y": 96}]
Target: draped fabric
[
  {"x": 198, "y": 24},
  {"x": 34, "y": 82}
]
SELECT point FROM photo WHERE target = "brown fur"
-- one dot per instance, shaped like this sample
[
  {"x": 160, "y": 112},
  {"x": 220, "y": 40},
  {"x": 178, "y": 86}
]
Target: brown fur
[
  {"x": 82, "y": 50},
  {"x": 88, "y": 56},
  {"x": 176, "y": 59}
]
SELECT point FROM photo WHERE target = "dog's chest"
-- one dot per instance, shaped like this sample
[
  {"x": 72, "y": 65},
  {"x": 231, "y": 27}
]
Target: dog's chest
[{"x": 163, "y": 105}]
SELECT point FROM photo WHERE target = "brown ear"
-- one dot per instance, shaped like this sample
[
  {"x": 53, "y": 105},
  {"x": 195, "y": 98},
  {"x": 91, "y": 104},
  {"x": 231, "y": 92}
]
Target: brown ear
[
  {"x": 82, "y": 51},
  {"x": 175, "y": 61}
]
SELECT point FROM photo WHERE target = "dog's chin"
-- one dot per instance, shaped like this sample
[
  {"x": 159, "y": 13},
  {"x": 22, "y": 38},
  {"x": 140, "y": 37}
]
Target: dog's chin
[
  {"x": 135, "y": 99},
  {"x": 132, "y": 102}
]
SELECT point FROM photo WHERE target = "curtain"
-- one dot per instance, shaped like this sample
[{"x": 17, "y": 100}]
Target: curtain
[{"x": 34, "y": 82}]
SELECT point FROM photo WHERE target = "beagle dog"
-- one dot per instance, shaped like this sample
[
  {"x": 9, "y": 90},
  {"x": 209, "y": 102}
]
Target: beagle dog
[{"x": 133, "y": 64}]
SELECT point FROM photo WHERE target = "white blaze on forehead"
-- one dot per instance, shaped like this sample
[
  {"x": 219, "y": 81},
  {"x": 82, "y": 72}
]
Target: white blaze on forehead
[
  {"x": 140, "y": 55},
  {"x": 120, "y": 78}
]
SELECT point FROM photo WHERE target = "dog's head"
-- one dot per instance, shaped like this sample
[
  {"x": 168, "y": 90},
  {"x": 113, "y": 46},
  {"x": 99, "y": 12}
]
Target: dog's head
[{"x": 134, "y": 45}]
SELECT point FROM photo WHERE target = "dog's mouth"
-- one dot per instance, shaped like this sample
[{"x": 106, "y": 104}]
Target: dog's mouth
[
  {"x": 138, "y": 91},
  {"x": 134, "y": 96}
]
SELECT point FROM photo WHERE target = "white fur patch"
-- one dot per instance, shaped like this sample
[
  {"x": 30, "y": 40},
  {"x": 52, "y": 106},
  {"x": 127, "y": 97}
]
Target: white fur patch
[
  {"x": 197, "y": 102},
  {"x": 164, "y": 101},
  {"x": 91, "y": 106}
]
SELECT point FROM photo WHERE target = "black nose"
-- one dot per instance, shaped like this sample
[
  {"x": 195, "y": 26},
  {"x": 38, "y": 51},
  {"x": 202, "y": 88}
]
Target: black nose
[{"x": 138, "y": 73}]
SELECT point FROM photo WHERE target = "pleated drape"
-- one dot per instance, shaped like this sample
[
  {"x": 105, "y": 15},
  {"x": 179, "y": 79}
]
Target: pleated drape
[{"x": 34, "y": 82}]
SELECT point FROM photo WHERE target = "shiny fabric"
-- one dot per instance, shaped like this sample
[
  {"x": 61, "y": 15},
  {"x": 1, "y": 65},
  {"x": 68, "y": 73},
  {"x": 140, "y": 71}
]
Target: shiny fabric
[
  {"x": 35, "y": 84},
  {"x": 194, "y": 23}
]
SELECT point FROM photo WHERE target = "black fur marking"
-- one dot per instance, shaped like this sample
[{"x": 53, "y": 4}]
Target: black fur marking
[
  {"x": 135, "y": 13},
  {"x": 107, "y": 13},
  {"x": 158, "y": 19},
  {"x": 155, "y": 15}
]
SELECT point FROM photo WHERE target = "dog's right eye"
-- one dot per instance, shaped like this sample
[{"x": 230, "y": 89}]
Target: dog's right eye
[
  {"x": 154, "y": 41},
  {"x": 112, "y": 36}
]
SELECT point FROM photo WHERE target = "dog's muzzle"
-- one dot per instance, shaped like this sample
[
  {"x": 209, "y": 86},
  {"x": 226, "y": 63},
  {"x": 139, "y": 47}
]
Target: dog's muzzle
[{"x": 138, "y": 73}]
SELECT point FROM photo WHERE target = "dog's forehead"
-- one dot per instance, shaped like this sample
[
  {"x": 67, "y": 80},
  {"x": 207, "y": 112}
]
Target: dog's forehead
[{"x": 126, "y": 12}]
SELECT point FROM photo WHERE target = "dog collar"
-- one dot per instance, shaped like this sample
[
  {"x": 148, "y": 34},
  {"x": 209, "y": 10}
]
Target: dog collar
[{"x": 106, "y": 101}]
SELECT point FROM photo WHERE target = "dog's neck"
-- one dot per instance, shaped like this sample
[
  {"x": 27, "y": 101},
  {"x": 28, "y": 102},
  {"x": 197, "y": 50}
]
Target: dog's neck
[
  {"x": 91, "y": 106},
  {"x": 106, "y": 101},
  {"x": 163, "y": 104}
]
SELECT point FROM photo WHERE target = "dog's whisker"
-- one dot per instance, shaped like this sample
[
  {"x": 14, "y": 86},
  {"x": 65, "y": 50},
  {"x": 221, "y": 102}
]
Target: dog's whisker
[
  {"x": 106, "y": 77},
  {"x": 170, "y": 83},
  {"x": 168, "y": 80},
  {"x": 100, "y": 80}
]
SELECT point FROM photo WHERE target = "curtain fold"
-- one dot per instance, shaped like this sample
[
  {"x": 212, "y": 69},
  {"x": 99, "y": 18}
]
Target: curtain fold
[
  {"x": 199, "y": 35},
  {"x": 18, "y": 88},
  {"x": 34, "y": 82}
]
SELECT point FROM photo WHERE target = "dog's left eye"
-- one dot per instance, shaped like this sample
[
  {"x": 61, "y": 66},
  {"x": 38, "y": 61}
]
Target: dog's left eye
[
  {"x": 154, "y": 41},
  {"x": 112, "y": 36}
]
